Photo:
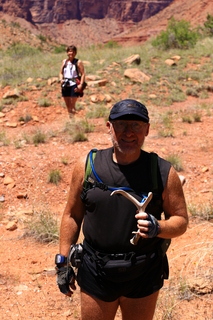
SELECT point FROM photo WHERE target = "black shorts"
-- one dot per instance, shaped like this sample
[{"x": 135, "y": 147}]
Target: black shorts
[
  {"x": 69, "y": 91},
  {"x": 138, "y": 281}
]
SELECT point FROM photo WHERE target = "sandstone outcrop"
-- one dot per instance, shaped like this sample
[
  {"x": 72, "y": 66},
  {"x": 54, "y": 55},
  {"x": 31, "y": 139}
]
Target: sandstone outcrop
[{"x": 57, "y": 11}]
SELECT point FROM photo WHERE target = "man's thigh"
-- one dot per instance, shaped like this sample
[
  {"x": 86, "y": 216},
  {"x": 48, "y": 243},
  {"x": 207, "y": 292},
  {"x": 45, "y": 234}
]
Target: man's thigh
[
  {"x": 95, "y": 309},
  {"x": 138, "y": 308}
]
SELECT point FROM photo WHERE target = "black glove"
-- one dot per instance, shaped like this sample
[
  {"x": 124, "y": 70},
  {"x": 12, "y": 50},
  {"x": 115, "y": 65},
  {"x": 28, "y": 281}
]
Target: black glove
[
  {"x": 154, "y": 228},
  {"x": 65, "y": 279}
]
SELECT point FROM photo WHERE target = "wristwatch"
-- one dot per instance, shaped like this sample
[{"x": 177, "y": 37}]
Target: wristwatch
[{"x": 60, "y": 259}]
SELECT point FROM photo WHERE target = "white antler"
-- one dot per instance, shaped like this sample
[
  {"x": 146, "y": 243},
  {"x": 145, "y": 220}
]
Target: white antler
[{"x": 140, "y": 206}]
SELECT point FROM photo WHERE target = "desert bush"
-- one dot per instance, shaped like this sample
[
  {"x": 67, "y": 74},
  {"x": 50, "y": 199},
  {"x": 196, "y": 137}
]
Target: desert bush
[
  {"x": 177, "y": 35},
  {"x": 209, "y": 25},
  {"x": 19, "y": 50},
  {"x": 59, "y": 49},
  {"x": 175, "y": 161},
  {"x": 26, "y": 118},
  {"x": 54, "y": 177},
  {"x": 203, "y": 211},
  {"x": 166, "y": 129},
  {"x": 44, "y": 102},
  {"x": 98, "y": 111},
  {"x": 187, "y": 118},
  {"x": 78, "y": 129},
  {"x": 43, "y": 227},
  {"x": 42, "y": 38},
  {"x": 39, "y": 137},
  {"x": 3, "y": 139}
]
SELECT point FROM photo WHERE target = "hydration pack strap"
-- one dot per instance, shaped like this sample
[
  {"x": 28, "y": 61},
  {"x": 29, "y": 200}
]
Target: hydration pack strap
[{"x": 99, "y": 183}]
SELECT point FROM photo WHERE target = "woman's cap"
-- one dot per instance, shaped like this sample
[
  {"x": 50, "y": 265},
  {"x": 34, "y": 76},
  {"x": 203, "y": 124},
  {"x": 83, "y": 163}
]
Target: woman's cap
[{"x": 129, "y": 109}]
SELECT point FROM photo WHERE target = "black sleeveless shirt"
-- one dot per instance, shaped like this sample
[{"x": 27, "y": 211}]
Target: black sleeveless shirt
[{"x": 110, "y": 220}]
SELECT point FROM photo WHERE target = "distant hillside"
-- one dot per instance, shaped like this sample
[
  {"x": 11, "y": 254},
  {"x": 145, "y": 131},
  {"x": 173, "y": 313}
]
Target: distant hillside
[
  {"x": 194, "y": 11},
  {"x": 57, "y": 11},
  {"x": 88, "y": 31}
]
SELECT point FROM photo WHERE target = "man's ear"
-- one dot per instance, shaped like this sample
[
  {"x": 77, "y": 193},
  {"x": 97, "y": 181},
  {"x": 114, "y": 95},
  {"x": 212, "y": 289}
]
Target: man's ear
[
  {"x": 108, "y": 126},
  {"x": 147, "y": 130}
]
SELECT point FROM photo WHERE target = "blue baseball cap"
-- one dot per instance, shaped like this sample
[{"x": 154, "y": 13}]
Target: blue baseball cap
[{"x": 129, "y": 109}]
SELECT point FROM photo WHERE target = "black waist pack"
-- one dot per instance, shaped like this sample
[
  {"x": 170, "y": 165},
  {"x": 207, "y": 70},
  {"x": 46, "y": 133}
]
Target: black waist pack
[
  {"x": 126, "y": 270},
  {"x": 121, "y": 267}
]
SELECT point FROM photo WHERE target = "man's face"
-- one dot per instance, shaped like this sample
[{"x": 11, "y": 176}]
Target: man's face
[{"x": 128, "y": 135}]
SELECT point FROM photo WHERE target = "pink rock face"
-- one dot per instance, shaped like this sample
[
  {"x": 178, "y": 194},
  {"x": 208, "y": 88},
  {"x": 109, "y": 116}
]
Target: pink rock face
[{"x": 56, "y": 11}]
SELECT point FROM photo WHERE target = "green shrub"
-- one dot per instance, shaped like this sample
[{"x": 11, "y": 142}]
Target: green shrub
[
  {"x": 44, "y": 103},
  {"x": 177, "y": 35},
  {"x": 60, "y": 49},
  {"x": 187, "y": 119},
  {"x": 42, "y": 38},
  {"x": 98, "y": 111},
  {"x": 209, "y": 25},
  {"x": 39, "y": 137},
  {"x": 175, "y": 161},
  {"x": 26, "y": 118},
  {"x": 18, "y": 50},
  {"x": 79, "y": 137},
  {"x": 166, "y": 129},
  {"x": 203, "y": 211},
  {"x": 54, "y": 177},
  {"x": 78, "y": 129},
  {"x": 3, "y": 139},
  {"x": 43, "y": 227}
]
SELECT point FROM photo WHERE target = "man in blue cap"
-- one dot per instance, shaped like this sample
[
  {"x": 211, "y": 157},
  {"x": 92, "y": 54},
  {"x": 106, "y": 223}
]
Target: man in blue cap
[{"x": 114, "y": 271}]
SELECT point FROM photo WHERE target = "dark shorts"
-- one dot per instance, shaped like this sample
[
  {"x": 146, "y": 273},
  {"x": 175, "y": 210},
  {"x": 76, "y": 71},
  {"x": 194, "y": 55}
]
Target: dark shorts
[
  {"x": 140, "y": 280},
  {"x": 69, "y": 92}
]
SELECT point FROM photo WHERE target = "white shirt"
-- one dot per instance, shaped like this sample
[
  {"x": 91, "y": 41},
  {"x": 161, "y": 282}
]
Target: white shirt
[{"x": 70, "y": 72}]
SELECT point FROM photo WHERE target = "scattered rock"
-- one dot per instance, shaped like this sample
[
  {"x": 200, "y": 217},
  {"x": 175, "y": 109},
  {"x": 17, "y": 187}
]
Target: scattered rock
[
  {"x": 8, "y": 180},
  {"x": 136, "y": 75},
  {"x": 201, "y": 285},
  {"x": 12, "y": 94},
  {"x": 20, "y": 288},
  {"x": 100, "y": 98},
  {"x": 12, "y": 124},
  {"x": 11, "y": 226},
  {"x": 22, "y": 196},
  {"x": 176, "y": 58},
  {"x": 152, "y": 96},
  {"x": 134, "y": 59},
  {"x": 97, "y": 83},
  {"x": 204, "y": 169},
  {"x": 2, "y": 198},
  {"x": 170, "y": 62},
  {"x": 25, "y": 212},
  {"x": 52, "y": 80},
  {"x": 29, "y": 80},
  {"x": 35, "y": 118},
  {"x": 92, "y": 77}
]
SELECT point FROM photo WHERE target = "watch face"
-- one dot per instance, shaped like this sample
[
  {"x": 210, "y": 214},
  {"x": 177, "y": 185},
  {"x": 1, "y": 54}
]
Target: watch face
[{"x": 59, "y": 259}]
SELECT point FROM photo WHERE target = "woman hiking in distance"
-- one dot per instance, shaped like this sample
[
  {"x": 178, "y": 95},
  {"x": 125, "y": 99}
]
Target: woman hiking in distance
[{"x": 71, "y": 87}]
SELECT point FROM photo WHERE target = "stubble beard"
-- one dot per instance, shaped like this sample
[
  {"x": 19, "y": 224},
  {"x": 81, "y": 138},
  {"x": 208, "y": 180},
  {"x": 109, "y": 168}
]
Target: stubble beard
[{"x": 123, "y": 150}]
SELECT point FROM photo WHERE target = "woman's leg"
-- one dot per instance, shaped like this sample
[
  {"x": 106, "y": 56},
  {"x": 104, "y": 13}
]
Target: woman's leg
[
  {"x": 140, "y": 308},
  {"x": 70, "y": 103},
  {"x": 95, "y": 309}
]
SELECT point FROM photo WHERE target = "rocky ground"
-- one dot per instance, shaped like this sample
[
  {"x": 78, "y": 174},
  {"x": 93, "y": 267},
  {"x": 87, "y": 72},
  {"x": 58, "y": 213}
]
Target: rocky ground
[{"x": 27, "y": 277}]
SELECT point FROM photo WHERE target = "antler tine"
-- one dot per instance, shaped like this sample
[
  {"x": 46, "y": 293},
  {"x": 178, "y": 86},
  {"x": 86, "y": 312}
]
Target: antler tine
[
  {"x": 128, "y": 196},
  {"x": 140, "y": 206}
]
